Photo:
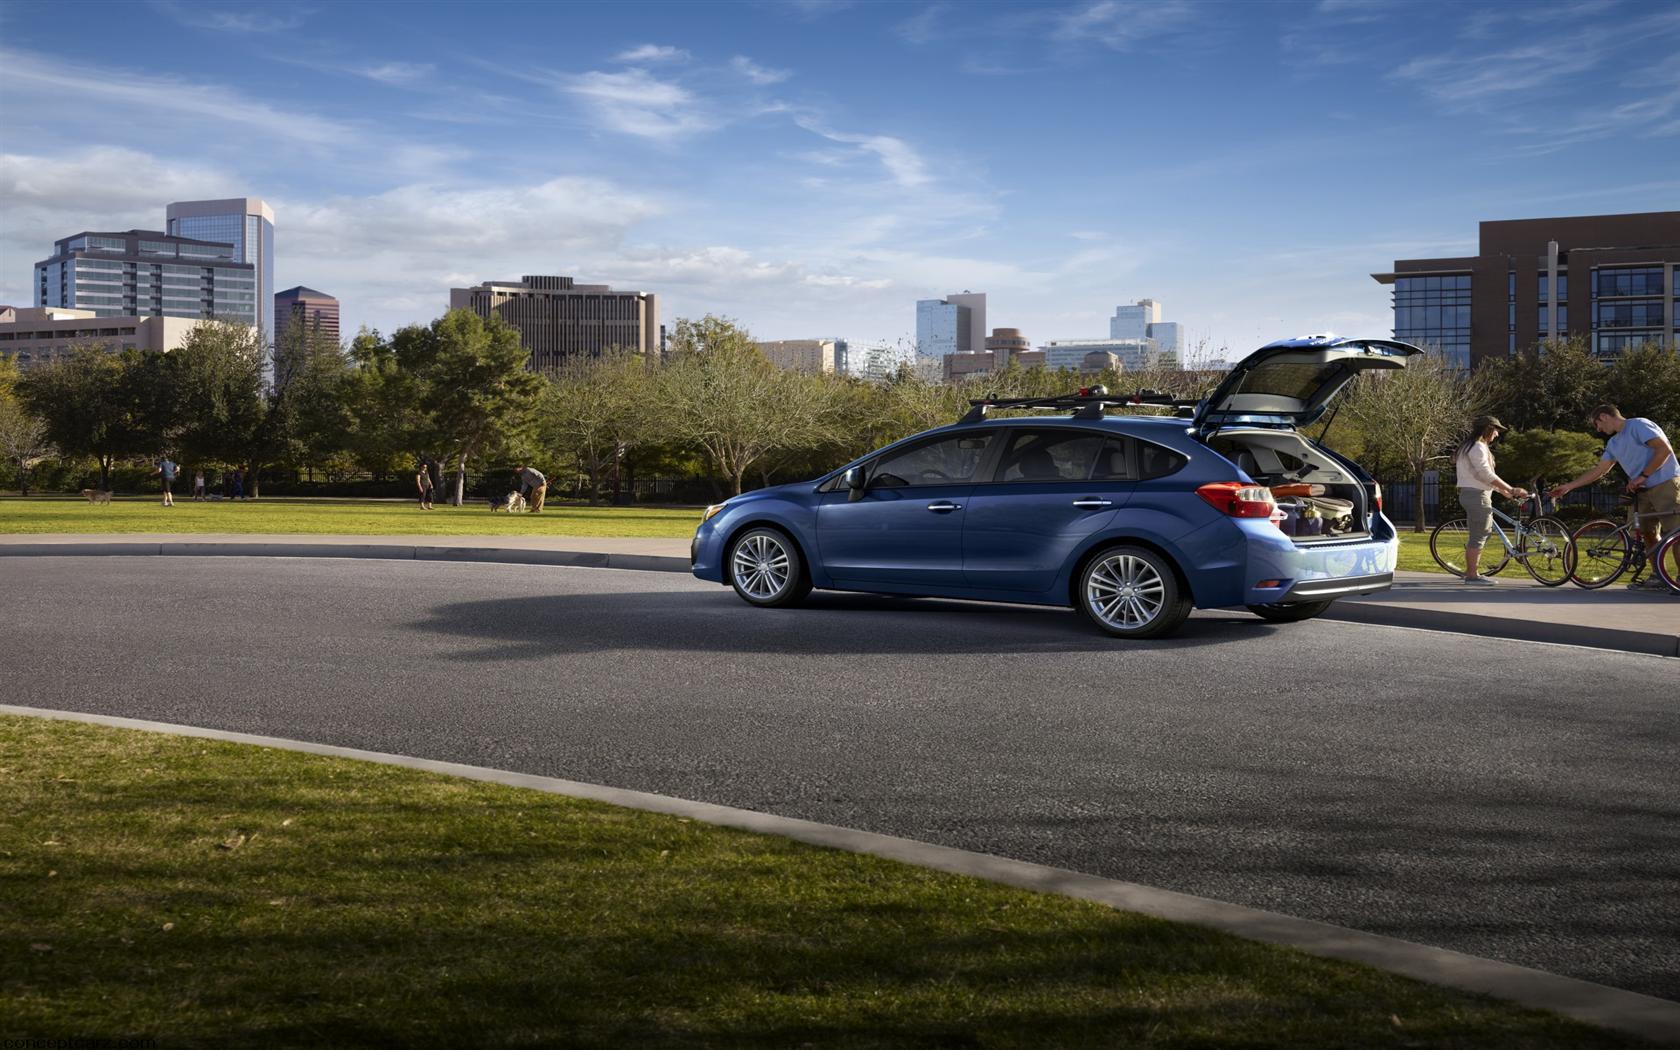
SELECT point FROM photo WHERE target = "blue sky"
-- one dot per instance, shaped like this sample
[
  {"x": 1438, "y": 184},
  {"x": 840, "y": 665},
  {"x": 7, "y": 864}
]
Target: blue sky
[{"x": 813, "y": 168}]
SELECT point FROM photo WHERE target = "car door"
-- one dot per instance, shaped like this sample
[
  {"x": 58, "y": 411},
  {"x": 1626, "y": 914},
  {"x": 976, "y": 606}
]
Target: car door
[
  {"x": 1052, "y": 488},
  {"x": 906, "y": 527}
]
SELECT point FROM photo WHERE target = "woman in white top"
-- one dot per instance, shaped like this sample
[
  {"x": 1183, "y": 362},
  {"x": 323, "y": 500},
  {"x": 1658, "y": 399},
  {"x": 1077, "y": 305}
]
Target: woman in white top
[{"x": 1477, "y": 482}]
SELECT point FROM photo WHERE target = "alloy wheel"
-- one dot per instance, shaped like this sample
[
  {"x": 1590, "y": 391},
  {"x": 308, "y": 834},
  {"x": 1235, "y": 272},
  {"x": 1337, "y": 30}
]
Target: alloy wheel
[
  {"x": 761, "y": 566},
  {"x": 1125, "y": 592}
]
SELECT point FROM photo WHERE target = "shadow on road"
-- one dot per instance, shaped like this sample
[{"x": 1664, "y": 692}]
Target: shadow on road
[{"x": 827, "y": 624}]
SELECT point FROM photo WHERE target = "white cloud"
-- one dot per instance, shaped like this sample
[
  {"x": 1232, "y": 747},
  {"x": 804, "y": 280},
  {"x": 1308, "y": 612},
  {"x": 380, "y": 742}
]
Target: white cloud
[
  {"x": 652, "y": 53},
  {"x": 637, "y": 103},
  {"x": 896, "y": 155},
  {"x": 48, "y": 88},
  {"x": 922, "y": 26},
  {"x": 241, "y": 21},
  {"x": 756, "y": 73},
  {"x": 1122, "y": 24},
  {"x": 398, "y": 72},
  {"x": 1467, "y": 80}
]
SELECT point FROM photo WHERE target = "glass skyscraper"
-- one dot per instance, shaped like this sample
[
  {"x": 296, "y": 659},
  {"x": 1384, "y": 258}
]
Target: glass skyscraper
[
  {"x": 247, "y": 223},
  {"x": 141, "y": 273}
]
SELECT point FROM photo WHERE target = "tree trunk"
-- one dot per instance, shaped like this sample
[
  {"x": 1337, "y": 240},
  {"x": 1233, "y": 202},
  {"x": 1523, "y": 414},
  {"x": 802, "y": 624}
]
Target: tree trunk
[
  {"x": 737, "y": 480},
  {"x": 1419, "y": 524},
  {"x": 23, "y": 479},
  {"x": 105, "y": 473},
  {"x": 460, "y": 480},
  {"x": 252, "y": 488}
]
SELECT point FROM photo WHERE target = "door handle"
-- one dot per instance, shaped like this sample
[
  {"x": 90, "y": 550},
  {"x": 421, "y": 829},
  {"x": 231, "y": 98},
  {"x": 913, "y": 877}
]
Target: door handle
[
  {"x": 1092, "y": 504},
  {"x": 943, "y": 507}
]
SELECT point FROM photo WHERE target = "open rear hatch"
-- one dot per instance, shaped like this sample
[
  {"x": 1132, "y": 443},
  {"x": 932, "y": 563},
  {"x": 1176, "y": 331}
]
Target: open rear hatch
[
  {"x": 1260, "y": 407},
  {"x": 1291, "y": 382}
]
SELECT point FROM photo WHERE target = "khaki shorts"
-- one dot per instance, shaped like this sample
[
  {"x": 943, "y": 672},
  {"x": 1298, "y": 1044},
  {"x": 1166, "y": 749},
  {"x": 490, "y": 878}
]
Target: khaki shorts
[
  {"x": 1478, "y": 514},
  {"x": 1662, "y": 500}
]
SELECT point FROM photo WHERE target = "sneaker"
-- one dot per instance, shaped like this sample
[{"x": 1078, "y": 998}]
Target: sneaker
[
  {"x": 1649, "y": 583},
  {"x": 1478, "y": 581}
]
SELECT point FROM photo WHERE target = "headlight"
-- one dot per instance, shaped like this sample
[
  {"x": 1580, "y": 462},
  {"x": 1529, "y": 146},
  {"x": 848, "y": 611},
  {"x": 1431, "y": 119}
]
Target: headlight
[{"x": 713, "y": 509}]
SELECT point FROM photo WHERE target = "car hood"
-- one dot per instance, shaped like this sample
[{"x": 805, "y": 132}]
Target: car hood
[{"x": 1291, "y": 382}]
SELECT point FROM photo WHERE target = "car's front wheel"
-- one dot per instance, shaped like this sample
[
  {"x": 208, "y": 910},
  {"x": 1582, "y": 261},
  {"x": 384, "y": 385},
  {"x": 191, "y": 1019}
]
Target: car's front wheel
[
  {"x": 1132, "y": 592},
  {"x": 1294, "y": 613},
  {"x": 766, "y": 569}
]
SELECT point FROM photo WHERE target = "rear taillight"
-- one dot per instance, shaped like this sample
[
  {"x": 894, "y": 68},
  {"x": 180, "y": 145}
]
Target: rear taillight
[
  {"x": 1376, "y": 496},
  {"x": 1239, "y": 500}
]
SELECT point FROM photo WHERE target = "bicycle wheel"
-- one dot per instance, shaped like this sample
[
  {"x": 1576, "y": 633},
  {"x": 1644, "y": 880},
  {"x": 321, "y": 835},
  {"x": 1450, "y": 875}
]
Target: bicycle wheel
[
  {"x": 1447, "y": 542},
  {"x": 1548, "y": 554},
  {"x": 1668, "y": 562},
  {"x": 1601, "y": 554}
]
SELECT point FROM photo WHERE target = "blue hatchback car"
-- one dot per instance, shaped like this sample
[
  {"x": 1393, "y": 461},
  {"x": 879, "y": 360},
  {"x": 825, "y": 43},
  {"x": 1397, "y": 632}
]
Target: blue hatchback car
[{"x": 1134, "y": 520}]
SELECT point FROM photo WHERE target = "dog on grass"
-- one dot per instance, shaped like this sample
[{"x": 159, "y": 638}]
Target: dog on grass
[
  {"x": 510, "y": 502},
  {"x": 97, "y": 495}
]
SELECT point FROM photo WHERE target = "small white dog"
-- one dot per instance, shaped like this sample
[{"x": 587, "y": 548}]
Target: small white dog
[{"x": 512, "y": 502}]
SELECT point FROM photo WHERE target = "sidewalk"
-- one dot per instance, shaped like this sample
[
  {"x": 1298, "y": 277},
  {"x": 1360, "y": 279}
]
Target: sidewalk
[{"x": 1517, "y": 607}]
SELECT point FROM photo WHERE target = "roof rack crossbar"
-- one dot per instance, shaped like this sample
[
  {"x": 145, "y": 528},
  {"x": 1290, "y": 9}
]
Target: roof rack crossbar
[{"x": 1088, "y": 403}]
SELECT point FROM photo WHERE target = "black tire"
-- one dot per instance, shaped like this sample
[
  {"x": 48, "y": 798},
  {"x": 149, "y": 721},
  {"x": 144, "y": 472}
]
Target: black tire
[
  {"x": 1602, "y": 554},
  {"x": 1551, "y": 552},
  {"x": 1668, "y": 562},
  {"x": 1446, "y": 545},
  {"x": 1290, "y": 613},
  {"x": 1132, "y": 592},
  {"x": 766, "y": 569}
]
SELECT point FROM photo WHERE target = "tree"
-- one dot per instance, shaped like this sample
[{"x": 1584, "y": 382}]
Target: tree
[
  {"x": 1551, "y": 386},
  {"x": 92, "y": 405},
  {"x": 1414, "y": 415},
  {"x": 389, "y": 423},
  {"x": 729, "y": 403},
  {"x": 216, "y": 408},
  {"x": 1646, "y": 382},
  {"x": 1553, "y": 455},
  {"x": 23, "y": 439},
  {"x": 597, "y": 409},
  {"x": 474, "y": 381}
]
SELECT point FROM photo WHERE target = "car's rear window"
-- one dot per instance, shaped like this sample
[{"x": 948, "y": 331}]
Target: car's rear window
[{"x": 1299, "y": 381}]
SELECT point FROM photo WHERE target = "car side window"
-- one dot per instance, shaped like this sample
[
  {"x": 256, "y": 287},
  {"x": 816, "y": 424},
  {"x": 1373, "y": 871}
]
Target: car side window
[
  {"x": 1048, "y": 455},
  {"x": 1155, "y": 461},
  {"x": 1114, "y": 462},
  {"x": 943, "y": 462}
]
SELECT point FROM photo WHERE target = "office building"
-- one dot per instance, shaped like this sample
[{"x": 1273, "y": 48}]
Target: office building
[
  {"x": 316, "y": 311},
  {"x": 876, "y": 360},
  {"x": 1613, "y": 280},
  {"x": 1007, "y": 344},
  {"x": 811, "y": 356},
  {"x": 247, "y": 223},
  {"x": 558, "y": 319},
  {"x": 144, "y": 273},
  {"x": 1142, "y": 320},
  {"x": 35, "y": 336},
  {"x": 955, "y": 324},
  {"x": 1133, "y": 355}
]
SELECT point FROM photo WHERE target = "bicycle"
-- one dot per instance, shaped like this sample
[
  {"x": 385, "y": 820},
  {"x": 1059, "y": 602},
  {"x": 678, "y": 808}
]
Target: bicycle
[
  {"x": 1605, "y": 550},
  {"x": 1668, "y": 561},
  {"x": 1543, "y": 545}
]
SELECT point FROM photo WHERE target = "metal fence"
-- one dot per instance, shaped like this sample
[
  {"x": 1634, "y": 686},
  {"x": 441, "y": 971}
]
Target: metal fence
[{"x": 1440, "y": 499}]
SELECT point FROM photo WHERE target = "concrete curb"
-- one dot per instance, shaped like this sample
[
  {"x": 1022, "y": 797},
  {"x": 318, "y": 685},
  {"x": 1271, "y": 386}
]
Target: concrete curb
[
  {"x": 1653, "y": 643},
  {"x": 1375, "y": 613},
  {"x": 387, "y": 551},
  {"x": 1641, "y": 1015}
]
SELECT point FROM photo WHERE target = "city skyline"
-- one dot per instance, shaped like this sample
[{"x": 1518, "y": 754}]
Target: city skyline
[{"x": 722, "y": 158}]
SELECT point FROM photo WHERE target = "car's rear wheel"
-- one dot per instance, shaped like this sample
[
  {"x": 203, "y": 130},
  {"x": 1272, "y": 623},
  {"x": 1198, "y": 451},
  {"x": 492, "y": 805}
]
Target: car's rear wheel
[
  {"x": 766, "y": 569},
  {"x": 1132, "y": 592},
  {"x": 1294, "y": 613}
]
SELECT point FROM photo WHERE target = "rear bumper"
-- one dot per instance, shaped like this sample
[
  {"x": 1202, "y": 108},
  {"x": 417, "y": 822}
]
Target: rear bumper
[{"x": 1346, "y": 587}]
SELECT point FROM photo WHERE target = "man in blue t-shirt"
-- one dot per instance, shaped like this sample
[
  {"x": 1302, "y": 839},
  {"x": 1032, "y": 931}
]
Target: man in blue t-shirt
[
  {"x": 1647, "y": 457},
  {"x": 166, "y": 468}
]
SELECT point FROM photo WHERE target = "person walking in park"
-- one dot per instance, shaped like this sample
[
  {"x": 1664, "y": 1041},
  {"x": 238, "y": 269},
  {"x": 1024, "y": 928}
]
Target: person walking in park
[
  {"x": 1477, "y": 482},
  {"x": 198, "y": 485},
  {"x": 534, "y": 485},
  {"x": 423, "y": 480},
  {"x": 237, "y": 481},
  {"x": 166, "y": 468},
  {"x": 1646, "y": 456}
]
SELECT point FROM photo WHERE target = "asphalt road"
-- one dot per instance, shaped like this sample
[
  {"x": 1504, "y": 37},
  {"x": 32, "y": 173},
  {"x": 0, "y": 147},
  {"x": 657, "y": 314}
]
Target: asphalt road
[{"x": 1508, "y": 799}]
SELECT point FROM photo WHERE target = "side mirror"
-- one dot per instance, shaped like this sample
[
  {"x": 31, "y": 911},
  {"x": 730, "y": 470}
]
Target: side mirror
[{"x": 855, "y": 480}]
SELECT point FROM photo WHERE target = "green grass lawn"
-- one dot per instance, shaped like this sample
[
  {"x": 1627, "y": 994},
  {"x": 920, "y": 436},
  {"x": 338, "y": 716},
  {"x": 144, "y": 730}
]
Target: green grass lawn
[
  {"x": 210, "y": 894},
  {"x": 340, "y": 516}
]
